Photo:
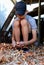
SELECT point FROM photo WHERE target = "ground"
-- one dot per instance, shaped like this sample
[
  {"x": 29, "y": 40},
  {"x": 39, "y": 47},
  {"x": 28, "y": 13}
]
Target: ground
[{"x": 12, "y": 56}]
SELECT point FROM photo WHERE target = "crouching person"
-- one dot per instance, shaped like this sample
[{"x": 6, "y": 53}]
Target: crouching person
[{"x": 24, "y": 24}]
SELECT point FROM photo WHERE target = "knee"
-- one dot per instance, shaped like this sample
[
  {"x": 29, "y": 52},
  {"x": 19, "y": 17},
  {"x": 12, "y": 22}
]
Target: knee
[
  {"x": 16, "y": 24},
  {"x": 23, "y": 22}
]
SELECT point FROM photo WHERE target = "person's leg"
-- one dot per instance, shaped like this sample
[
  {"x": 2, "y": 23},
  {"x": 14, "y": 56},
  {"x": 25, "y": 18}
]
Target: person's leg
[
  {"x": 24, "y": 29},
  {"x": 29, "y": 28},
  {"x": 17, "y": 31}
]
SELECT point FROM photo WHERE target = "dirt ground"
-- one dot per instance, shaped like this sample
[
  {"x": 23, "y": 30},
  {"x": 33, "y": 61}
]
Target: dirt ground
[{"x": 12, "y": 56}]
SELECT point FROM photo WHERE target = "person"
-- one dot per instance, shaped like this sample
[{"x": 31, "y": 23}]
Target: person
[{"x": 24, "y": 24}]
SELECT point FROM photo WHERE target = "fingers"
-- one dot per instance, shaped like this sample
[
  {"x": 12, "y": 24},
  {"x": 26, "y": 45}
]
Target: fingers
[{"x": 19, "y": 44}]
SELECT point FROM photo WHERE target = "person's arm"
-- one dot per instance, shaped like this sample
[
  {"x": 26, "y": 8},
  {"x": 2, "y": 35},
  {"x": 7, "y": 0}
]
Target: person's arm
[
  {"x": 12, "y": 36},
  {"x": 33, "y": 40},
  {"x": 13, "y": 39},
  {"x": 34, "y": 37},
  {"x": 34, "y": 33},
  {"x": 34, "y": 30}
]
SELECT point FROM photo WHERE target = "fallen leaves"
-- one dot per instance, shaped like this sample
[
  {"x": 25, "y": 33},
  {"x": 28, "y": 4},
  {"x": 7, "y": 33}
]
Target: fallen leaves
[
  {"x": 11, "y": 56},
  {"x": 41, "y": 63},
  {"x": 19, "y": 62},
  {"x": 29, "y": 54}
]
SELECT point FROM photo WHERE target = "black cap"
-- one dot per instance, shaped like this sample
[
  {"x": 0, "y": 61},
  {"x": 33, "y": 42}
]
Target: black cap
[{"x": 20, "y": 8}]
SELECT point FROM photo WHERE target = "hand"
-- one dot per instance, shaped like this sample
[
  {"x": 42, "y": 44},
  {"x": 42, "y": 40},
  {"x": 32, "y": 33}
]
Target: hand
[
  {"x": 18, "y": 44},
  {"x": 25, "y": 43},
  {"x": 22, "y": 44}
]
